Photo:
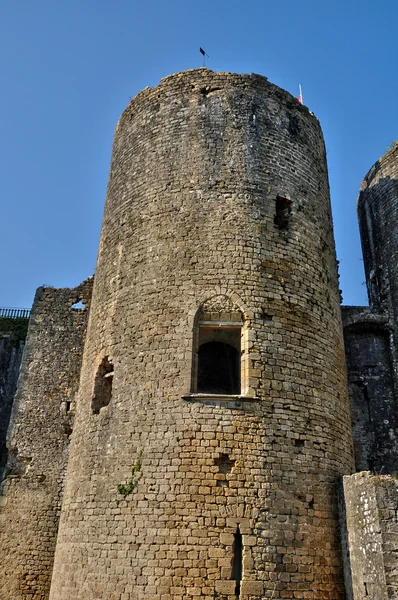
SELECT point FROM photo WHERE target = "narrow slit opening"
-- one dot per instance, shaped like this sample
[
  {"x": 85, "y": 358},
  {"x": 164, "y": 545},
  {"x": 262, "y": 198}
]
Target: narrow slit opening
[
  {"x": 283, "y": 208},
  {"x": 102, "y": 386},
  {"x": 237, "y": 561}
]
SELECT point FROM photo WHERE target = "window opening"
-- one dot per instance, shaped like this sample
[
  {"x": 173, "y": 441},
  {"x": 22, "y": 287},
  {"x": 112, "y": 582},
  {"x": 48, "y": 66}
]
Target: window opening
[
  {"x": 282, "y": 212},
  {"x": 78, "y": 305},
  {"x": 102, "y": 386},
  {"x": 237, "y": 561},
  {"x": 219, "y": 359}
]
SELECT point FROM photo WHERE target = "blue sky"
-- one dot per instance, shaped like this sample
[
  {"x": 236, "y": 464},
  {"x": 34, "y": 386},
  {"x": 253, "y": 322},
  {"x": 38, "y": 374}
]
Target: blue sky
[{"x": 69, "y": 68}]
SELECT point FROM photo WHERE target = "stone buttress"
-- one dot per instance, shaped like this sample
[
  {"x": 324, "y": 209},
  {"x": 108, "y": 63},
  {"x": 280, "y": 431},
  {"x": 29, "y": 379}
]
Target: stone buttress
[{"x": 38, "y": 441}]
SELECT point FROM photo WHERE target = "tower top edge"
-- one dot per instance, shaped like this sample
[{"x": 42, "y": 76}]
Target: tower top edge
[
  {"x": 202, "y": 77},
  {"x": 378, "y": 169}
]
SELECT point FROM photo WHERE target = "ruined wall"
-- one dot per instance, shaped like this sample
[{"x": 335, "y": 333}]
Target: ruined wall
[
  {"x": 10, "y": 361},
  {"x": 374, "y": 411},
  {"x": 38, "y": 441},
  {"x": 217, "y": 213},
  {"x": 371, "y": 518}
]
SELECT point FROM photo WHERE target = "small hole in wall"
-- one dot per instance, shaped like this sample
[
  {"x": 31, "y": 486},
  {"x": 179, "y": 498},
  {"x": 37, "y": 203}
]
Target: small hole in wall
[
  {"x": 282, "y": 212},
  {"x": 102, "y": 386},
  {"x": 224, "y": 464},
  {"x": 299, "y": 443},
  {"x": 78, "y": 305},
  {"x": 205, "y": 91},
  {"x": 67, "y": 429},
  {"x": 265, "y": 316},
  {"x": 68, "y": 405}
]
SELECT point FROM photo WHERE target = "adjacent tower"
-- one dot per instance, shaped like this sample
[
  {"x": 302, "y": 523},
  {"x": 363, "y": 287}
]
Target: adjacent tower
[
  {"x": 372, "y": 333},
  {"x": 378, "y": 214},
  {"x": 212, "y": 421}
]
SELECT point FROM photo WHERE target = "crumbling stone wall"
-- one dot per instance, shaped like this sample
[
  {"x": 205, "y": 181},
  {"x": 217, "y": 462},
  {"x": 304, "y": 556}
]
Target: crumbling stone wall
[
  {"x": 38, "y": 441},
  {"x": 10, "y": 361},
  {"x": 371, "y": 503},
  {"x": 217, "y": 205}
]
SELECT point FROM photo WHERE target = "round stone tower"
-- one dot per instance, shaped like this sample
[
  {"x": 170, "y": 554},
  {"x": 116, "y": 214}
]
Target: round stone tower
[
  {"x": 213, "y": 420},
  {"x": 378, "y": 215}
]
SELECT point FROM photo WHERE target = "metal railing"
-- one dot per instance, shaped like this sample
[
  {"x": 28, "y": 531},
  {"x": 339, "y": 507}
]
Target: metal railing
[{"x": 15, "y": 313}]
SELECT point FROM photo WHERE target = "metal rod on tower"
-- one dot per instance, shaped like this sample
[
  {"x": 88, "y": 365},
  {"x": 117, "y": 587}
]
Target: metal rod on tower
[
  {"x": 300, "y": 98},
  {"x": 204, "y": 56}
]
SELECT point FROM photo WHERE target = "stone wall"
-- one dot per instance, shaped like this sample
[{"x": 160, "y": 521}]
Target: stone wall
[
  {"x": 371, "y": 503},
  {"x": 10, "y": 361},
  {"x": 371, "y": 333},
  {"x": 38, "y": 441},
  {"x": 374, "y": 411},
  {"x": 217, "y": 216}
]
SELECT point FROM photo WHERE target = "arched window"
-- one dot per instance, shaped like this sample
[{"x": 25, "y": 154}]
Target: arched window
[{"x": 217, "y": 351}]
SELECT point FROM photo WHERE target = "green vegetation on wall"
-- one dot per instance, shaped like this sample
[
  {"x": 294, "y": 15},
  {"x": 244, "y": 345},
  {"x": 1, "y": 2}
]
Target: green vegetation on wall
[
  {"x": 136, "y": 474},
  {"x": 17, "y": 327}
]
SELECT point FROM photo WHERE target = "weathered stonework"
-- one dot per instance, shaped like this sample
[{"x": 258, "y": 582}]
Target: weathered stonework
[
  {"x": 371, "y": 332},
  {"x": 218, "y": 205},
  {"x": 371, "y": 386},
  {"x": 38, "y": 442},
  {"x": 212, "y": 419},
  {"x": 10, "y": 361},
  {"x": 377, "y": 213},
  {"x": 371, "y": 503}
]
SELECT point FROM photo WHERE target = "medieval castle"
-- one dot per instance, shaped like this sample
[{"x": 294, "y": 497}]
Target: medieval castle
[{"x": 188, "y": 430}]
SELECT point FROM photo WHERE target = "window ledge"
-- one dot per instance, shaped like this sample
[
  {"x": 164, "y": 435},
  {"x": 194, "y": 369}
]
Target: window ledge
[{"x": 229, "y": 400}]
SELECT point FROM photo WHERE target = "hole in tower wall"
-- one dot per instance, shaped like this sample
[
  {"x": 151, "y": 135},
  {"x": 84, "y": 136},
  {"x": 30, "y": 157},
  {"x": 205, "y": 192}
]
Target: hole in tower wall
[
  {"x": 206, "y": 91},
  {"x": 102, "y": 386},
  {"x": 265, "y": 316},
  {"x": 237, "y": 561},
  {"x": 225, "y": 465},
  {"x": 282, "y": 212},
  {"x": 78, "y": 305},
  {"x": 294, "y": 125}
]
